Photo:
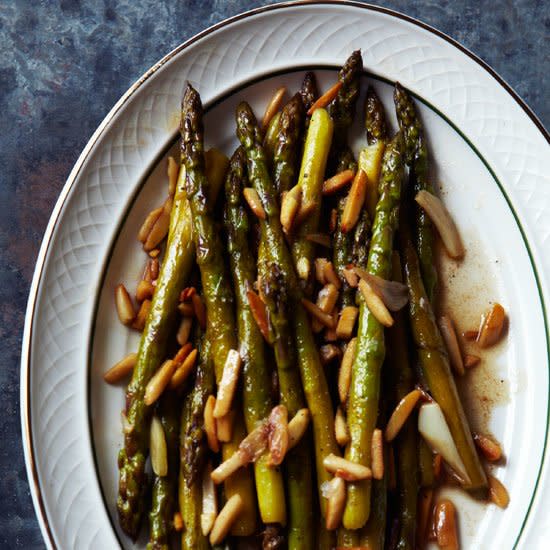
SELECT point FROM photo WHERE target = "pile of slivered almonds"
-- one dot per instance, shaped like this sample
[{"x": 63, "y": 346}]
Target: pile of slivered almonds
[{"x": 293, "y": 386}]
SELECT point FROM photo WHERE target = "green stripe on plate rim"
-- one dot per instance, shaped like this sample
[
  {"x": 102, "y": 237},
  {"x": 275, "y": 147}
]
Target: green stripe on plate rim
[{"x": 224, "y": 97}]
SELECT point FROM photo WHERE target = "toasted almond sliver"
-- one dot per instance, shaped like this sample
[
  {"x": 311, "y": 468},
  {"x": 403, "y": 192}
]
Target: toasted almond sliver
[
  {"x": 224, "y": 427},
  {"x": 259, "y": 312},
  {"x": 210, "y": 427},
  {"x": 273, "y": 106},
  {"x": 159, "y": 381},
  {"x": 425, "y": 499},
  {"x": 141, "y": 318},
  {"x": 375, "y": 304},
  {"x": 441, "y": 218},
  {"x": 290, "y": 206},
  {"x": 148, "y": 224},
  {"x": 226, "y": 518},
  {"x": 497, "y": 492},
  {"x": 184, "y": 330},
  {"x": 332, "y": 463},
  {"x": 303, "y": 268},
  {"x": 344, "y": 375},
  {"x": 253, "y": 199},
  {"x": 330, "y": 335},
  {"x": 186, "y": 309},
  {"x": 124, "y": 306},
  {"x": 448, "y": 332},
  {"x": 377, "y": 454},
  {"x": 172, "y": 171},
  {"x": 490, "y": 449},
  {"x": 327, "y": 298},
  {"x": 157, "y": 446},
  {"x": 319, "y": 238},
  {"x": 445, "y": 525},
  {"x": 187, "y": 293},
  {"x": 331, "y": 276},
  {"x": 160, "y": 228},
  {"x": 471, "y": 361},
  {"x": 328, "y": 352},
  {"x": 401, "y": 414},
  {"x": 121, "y": 370},
  {"x": 184, "y": 370},
  {"x": 326, "y": 98},
  {"x": 341, "y": 428},
  {"x": 337, "y": 182},
  {"x": 297, "y": 427},
  {"x": 318, "y": 313},
  {"x": 351, "y": 277},
  {"x": 178, "y": 522},
  {"x": 320, "y": 270},
  {"x": 354, "y": 201},
  {"x": 200, "y": 310},
  {"x": 144, "y": 290},
  {"x": 333, "y": 220},
  {"x": 237, "y": 460},
  {"x": 183, "y": 352},
  {"x": 278, "y": 435},
  {"x": 470, "y": 335},
  {"x": 154, "y": 254},
  {"x": 336, "y": 503},
  {"x": 346, "y": 323},
  {"x": 154, "y": 268},
  {"x": 228, "y": 383},
  {"x": 492, "y": 326},
  {"x": 209, "y": 509}
]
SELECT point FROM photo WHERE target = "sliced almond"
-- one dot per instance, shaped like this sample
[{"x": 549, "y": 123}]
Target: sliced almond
[
  {"x": 183, "y": 352},
  {"x": 346, "y": 323},
  {"x": 209, "y": 509},
  {"x": 278, "y": 435},
  {"x": 335, "y": 504},
  {"x": 333, "y": 463},
  {"x": 328, "y": 352},
  {"x": 228, "y": 383},
  {"x": 226, "y": 518},
  {"x": 326, "y": 98},
  {"x": 290, "y": 206},
  {"x": 210, "y": 427},
  {"x": 186, "y": 309},
  {"x": 401, "y": 413},
  {"x": 273, "y": 106},
  {"x": 490, "y": 449},
  {"x": 471, "y": 361},
  {"x": 178, "y": 522},
  {"x": 144, "y": 290},
  {"x": 200, "y": 310},
  {"x": 375, "y": 304},
  {"x": 331, "y": 276},
  {"x": 297, "y": 427},
  {"x": 327, "y": 298},
  {"x": 498, "y": 493},
  {"x": 492, "y": 326},
  {"x": 434, "y": 207},
  {"x": 326, "y": 319},
  {"x": 377, "y": 454},
  {"x": 228, "y": 467},
  {"x": 394, "y": 294},
  {"x": 470, "y": 335},
  {"x": 259, "y": 312},
  {"x": 448, "y": 332},
  {"x": 330, "y": 335},
  {"x": 121, "y": 370},
  {"x": 187, "y": 293},
  {"x": 354, "y": 201},
  {"x": 154, "y": 254},
  {"x": 124, "y": 306},
  {"x": 445, "y": 525},
  {"x": 320, "y": 270},
  {"x": 154, "y": 268},
  {"x": 337, "y": 182},
  {"x": 157, "y": 447},
  {"x": 160, "y": 228},
  {"x": 333, "y": 220},
  {"x": 148, "y": 224},
  {"x": 344, "y": 375},
  {"x": 224, "y": 426},
  {"x": 184, "y": 370},
  {"x": 184, "y": 330},
  {"x": 172, "y": 170},
  {"x": 159, "y": 381},
  {"x": 341, "y": 428},
  {"x": 351, "y": 277},
  {"x": 141, "y": 318},
  {"x": 253, "y": 200}
]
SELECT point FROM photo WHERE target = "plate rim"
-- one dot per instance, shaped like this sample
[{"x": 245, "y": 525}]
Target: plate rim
[{"x": 27, "y": 438}]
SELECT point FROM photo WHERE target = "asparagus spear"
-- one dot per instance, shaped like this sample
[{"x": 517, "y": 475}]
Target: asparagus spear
[
  {"x": 311, "y": 371},
  {"x": 434, "y": 361},
  {"x": 270, "y": 139},
  {"x": 175, "y": 270},
  {"x": 417, "y": 158},
  {"x": 215, "y": 280},
  {"x": 373, "y": 534},
  {"x": 365, "y": 382},
  {"x": 285, "y": 156},
  {"x": 256, "y": 379},
  {"x": 164, "y": 488},
  {"x": 309, "y": 91}
]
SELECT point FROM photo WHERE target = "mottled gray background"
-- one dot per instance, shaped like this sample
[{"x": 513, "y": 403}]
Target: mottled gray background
[{"x": 64, "y": 63}]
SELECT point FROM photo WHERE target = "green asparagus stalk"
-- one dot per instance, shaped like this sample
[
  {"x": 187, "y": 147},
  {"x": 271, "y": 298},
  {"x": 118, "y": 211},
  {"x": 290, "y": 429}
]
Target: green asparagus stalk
[
  {"x": 366, "y": 371},
  {"x": 309, "y": 91},
  {"x": 270, "y": 139},
  {"x": 417, "y": 158},
  {"x": 311, "y": 371},
  {"x": 434, "y": 362},
  {"x": 163, "y": 498},
  {"x": 373, "y": 535},
  {"x": 175, "y": 270},
  {"x": 216, "y": 284},
  {"x": 256, "y": 379},
  {"x": 285, "y": 156}
]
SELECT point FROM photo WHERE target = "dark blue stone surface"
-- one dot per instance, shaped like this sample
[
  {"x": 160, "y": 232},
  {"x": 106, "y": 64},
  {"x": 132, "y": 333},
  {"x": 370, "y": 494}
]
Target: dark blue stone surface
[{"x": 64, "y": 63}]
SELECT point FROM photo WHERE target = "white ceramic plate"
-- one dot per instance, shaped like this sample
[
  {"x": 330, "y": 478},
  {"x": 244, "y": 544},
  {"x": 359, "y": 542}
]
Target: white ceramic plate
[{"x": 491, "y": 159}]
